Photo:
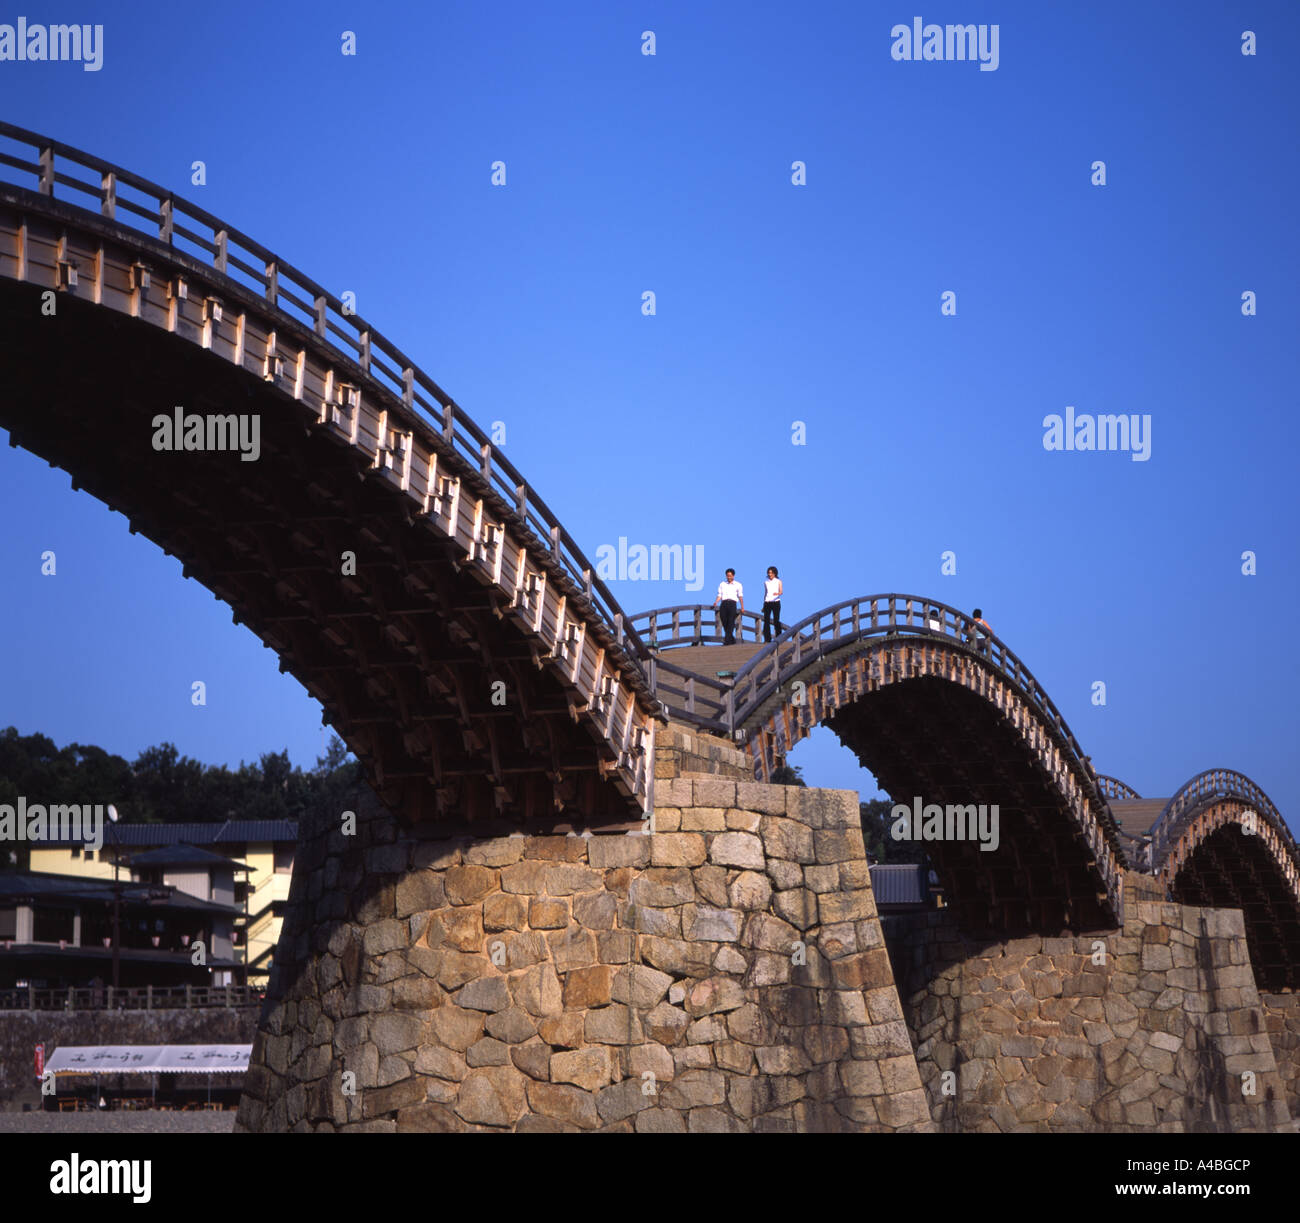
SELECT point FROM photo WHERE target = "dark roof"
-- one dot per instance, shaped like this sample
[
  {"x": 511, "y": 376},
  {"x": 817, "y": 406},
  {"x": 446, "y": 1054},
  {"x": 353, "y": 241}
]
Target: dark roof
[
  {"x": 902, "y": 883},
  {"x": 183, "y": 855},
  {"x": 18, "y": 886},
  {"x": 231, "y": 832}
]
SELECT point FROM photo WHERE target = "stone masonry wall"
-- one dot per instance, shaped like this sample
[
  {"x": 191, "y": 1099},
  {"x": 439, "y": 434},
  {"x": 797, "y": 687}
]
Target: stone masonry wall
[
  {"x": 1040, "y": 1035},
  {"x": 1282, "y": 1015},
  {"x": 725, "y": 972}
]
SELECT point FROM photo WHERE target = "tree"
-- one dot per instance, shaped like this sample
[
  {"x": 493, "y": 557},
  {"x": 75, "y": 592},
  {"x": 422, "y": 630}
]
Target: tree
[
  {"x": 881, "y": 847},
  {"x": 788, "y": 775},
  {"x": 163, "y": 785}
]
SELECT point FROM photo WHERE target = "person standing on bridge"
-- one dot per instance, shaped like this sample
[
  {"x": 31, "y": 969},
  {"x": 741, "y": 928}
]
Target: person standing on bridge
[
  {"x": 772, "y": 589},
  {"x": 980, "y": 632},
  {"x": 730, "y": 595}
]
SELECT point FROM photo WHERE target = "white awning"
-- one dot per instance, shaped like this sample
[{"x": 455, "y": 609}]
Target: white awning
[{"x": 149, "y": 1059}]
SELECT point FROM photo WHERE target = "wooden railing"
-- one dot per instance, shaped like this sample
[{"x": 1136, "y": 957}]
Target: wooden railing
[
  {"x": 825, "y": 632},
  {"x": 1204, "y": 789},
  {"x": 127, "y": 199},
  {"x": 137, "y": 998},
  {"x": 1115, "y": 789},
  {"x": 703, "y": 700},
  {"x": 691, "y": 624}
]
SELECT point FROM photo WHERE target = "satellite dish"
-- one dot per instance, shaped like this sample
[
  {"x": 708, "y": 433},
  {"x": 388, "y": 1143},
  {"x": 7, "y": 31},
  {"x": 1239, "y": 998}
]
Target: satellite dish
[{"x": 112, "y": 813}]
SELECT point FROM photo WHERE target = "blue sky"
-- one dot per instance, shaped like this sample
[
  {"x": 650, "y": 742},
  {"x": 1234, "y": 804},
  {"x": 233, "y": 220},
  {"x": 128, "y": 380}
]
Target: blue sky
[{"x": 775, "y": 303}]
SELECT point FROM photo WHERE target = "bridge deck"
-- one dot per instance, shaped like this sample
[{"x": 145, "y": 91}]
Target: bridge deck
[
  {"x": 708, "y": 660},
  {"x": 1135, "y": 816}
]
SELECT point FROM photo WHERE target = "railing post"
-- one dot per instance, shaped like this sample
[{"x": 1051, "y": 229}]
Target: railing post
[
  {"x": 148, "y": 997},
  {"x": 189, "y": 996},
  {"x": 110, "y": 999},
  {"x": 31, "y": 997},
  {"x": 221, "y": 240},
  {"x": 72, "y": 999},
  {"x": 108, "y": 195},
  {"x": 272, "y": 283},
  {"x": 47, "y": 170},
  {"x": 165, "y": 220}
]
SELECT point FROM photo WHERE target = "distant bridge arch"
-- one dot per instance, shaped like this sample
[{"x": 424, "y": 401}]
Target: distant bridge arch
[
  {"x": 936, "y": 710},
  {"x": 1221, "y": 842}
]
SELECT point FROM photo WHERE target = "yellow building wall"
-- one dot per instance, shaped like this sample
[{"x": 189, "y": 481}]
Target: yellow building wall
[
  {"x": 58, "y": 860},
  {"x": 265, "y": 883}
]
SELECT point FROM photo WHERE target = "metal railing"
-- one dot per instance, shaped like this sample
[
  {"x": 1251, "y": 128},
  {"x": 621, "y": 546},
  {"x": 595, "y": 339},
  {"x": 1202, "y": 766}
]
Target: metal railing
[
  {"x": 137, "y": 998},
  {"x": 289, "y": 296},
  {"x": 1203, "y": 790}
]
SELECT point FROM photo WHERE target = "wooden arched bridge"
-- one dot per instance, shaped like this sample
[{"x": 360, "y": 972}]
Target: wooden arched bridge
[
  {"x": 935, "y": 707},
  {"x": 456, "y": 636},
  {"x": 395, "y": 560},
  {"x": 938, "y": 714}
]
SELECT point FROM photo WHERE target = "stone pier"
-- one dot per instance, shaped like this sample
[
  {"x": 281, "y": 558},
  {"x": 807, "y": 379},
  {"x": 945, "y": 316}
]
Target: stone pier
[
  {"x": 726, "y": 972},
  {"x": 1282, "y": 1014}
]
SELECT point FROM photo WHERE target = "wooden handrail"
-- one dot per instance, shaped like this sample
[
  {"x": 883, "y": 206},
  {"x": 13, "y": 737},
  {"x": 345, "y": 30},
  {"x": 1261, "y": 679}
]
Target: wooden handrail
[
  {"x": 1208, "y": 787},
  {"x": 135, "y": 998},
  {"x": 1116, "y": 790}
]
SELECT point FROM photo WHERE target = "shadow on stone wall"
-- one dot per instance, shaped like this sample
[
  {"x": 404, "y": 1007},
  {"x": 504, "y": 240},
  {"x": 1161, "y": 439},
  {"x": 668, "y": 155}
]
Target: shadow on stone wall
[{"x": 1154, "y": 1026}]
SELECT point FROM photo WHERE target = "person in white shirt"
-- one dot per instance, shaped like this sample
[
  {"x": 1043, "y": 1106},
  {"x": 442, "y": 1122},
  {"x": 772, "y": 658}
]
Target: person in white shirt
[
  {"x": 772, "y": 589},
  {"x": 730, "y": 595}
]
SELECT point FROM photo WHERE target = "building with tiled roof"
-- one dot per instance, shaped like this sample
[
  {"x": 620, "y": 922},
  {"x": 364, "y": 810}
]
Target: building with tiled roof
[{"x": 244, "y": 863}]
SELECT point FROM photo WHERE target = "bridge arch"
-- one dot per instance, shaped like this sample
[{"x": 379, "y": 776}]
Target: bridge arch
[
  {"x": 1221, "y": 842},
  {"x": 461, "y": 577},
  {"x": 936, "y": 711},
  {"x": 1114, "y": 789}
]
